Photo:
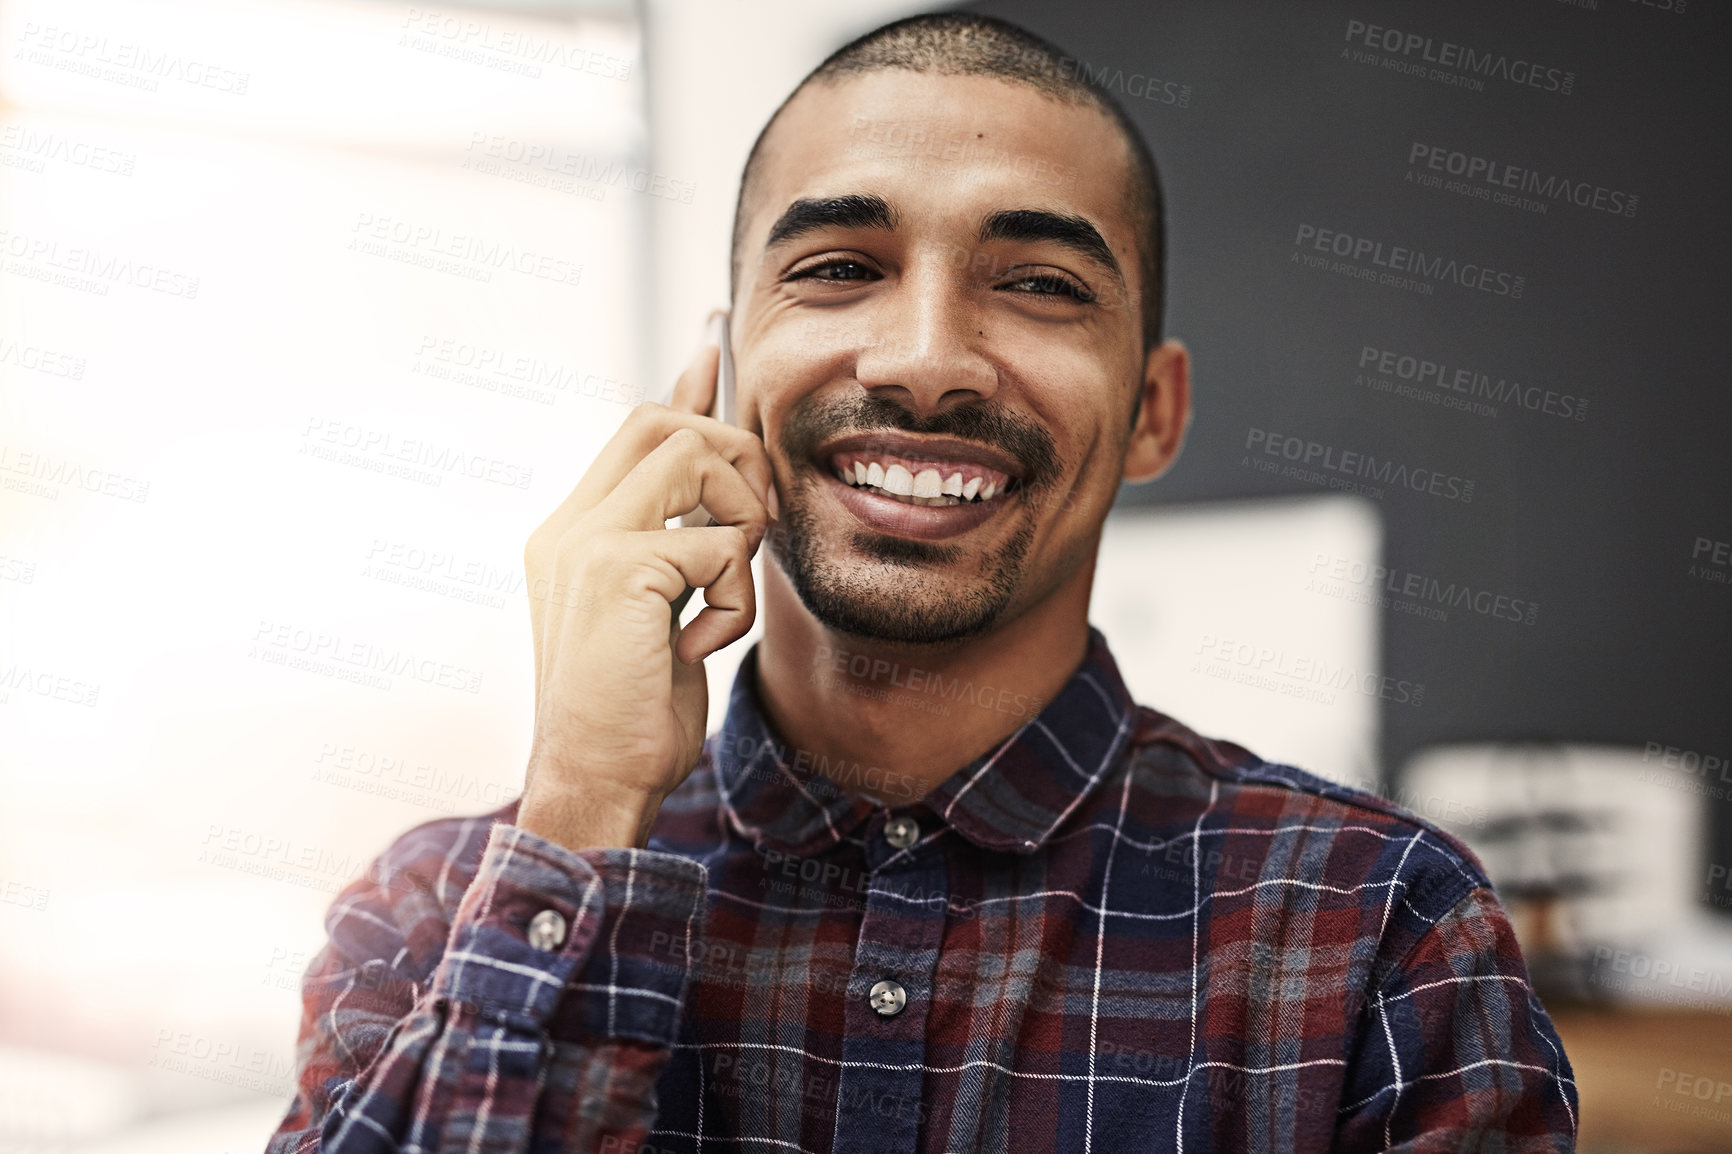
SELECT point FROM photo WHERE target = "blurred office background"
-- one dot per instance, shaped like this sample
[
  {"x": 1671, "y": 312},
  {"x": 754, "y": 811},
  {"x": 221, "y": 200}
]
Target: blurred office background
[{"x": 252, "y": 253}]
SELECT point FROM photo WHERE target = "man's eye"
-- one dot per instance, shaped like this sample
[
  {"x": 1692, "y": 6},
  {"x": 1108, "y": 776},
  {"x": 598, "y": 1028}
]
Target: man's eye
[
  {"x": 1049, "y": 284},
  {"x": 835, "y": 270}
]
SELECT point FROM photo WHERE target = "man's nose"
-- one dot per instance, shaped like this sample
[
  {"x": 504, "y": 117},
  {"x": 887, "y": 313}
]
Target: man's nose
[{"x": 927, "y": 350}]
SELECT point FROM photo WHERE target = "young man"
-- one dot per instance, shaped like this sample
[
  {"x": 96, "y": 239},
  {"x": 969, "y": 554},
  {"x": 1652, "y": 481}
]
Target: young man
[{"x": 938, "y": 883}]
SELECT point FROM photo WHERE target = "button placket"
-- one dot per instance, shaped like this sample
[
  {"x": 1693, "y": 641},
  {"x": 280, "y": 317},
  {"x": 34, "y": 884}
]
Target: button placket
[{"x": 890, "y": 994}]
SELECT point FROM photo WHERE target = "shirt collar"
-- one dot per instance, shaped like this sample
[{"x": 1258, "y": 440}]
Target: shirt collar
[{"x": 1010, "y": 799}]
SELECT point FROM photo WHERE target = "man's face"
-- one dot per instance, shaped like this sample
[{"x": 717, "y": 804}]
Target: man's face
[{"x": 938, "y": 289}]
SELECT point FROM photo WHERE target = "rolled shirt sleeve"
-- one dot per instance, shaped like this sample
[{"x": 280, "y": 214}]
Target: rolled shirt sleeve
[{"x": 537, "y": 1014}]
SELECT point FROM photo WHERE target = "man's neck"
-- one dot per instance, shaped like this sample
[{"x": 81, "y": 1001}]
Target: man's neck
[{"x": 894, "y": 721}]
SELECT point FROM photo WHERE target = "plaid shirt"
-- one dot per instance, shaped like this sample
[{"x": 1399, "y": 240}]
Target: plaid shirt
[{"x": 1111, "y": 935}]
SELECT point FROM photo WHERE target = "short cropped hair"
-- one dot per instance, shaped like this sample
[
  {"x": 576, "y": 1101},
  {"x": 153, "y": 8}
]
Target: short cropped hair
[{"x": 965, "y": 44}]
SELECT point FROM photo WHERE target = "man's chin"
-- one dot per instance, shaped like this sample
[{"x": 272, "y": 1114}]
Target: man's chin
[
  {"x": 898, "y": 625},
  {"x": 890, "y": 589}
]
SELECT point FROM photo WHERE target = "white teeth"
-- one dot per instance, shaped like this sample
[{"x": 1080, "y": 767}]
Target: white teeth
[{"x": 928, "y": 487}]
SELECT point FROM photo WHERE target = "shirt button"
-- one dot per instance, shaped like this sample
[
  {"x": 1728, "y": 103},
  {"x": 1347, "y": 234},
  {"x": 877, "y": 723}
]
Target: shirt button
[
  {"x": 547, "y": 930},
  {"x": 888, "y": 998},
  {"x": 901, "y": 832}
]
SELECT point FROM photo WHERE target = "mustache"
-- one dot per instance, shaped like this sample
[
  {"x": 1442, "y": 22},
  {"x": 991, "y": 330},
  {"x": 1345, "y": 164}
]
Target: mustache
[{"x": 1026, "y": 440}]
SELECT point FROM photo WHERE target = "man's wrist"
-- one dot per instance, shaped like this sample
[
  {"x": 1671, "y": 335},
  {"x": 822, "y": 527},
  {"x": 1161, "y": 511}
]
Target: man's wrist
[{"x": 589, "y": 817}]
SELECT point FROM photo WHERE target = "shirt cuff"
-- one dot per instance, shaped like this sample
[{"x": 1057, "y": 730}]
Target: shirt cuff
[{"x": 627, "y": 923}]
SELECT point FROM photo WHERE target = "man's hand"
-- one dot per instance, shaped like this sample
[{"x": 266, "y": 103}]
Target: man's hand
[{"x": 620, "y": 697}]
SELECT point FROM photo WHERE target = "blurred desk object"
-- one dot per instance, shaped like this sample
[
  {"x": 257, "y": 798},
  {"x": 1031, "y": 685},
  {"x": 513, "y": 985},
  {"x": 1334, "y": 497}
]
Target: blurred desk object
[
  {"x": 1224, "y": 615},
  {"x": 1651, "y": 1081},
  {"x": 1597, "y": 854}
]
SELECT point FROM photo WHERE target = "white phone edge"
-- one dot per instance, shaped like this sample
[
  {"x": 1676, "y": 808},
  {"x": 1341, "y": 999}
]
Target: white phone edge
[{"x": 726, "y": 406}]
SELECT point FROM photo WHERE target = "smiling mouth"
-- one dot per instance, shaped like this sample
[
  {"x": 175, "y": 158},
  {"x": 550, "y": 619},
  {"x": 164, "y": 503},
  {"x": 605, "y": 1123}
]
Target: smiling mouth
[{"x": 913, "y": 481}]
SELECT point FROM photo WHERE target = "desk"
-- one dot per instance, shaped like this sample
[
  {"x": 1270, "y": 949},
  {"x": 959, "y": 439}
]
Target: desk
[{"x": 1649, "y": 1079}]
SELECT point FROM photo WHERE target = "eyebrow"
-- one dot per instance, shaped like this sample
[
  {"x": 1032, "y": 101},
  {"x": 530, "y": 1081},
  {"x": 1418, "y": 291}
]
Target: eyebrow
[
  {"x": 861, "y": 210},
  {"x": 1072, "y": 232}
]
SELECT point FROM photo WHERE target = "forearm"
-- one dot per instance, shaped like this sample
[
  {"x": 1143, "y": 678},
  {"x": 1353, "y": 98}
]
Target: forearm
[{"x": 599, "y": 816}]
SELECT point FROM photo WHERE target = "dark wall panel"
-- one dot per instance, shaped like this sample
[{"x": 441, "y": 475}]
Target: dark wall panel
[{"x": 1533, "y": 193}]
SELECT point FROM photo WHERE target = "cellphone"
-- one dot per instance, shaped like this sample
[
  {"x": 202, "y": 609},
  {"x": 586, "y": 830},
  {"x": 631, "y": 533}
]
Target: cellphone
[{"x": 726, "y": 407}]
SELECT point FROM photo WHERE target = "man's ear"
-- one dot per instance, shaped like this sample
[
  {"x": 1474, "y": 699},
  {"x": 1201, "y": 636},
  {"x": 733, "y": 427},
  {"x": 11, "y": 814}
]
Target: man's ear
[{"x": 1163, "y": 414}]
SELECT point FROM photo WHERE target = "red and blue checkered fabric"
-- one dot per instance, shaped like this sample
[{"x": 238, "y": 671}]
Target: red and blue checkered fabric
[{"x": 1112, "y": 935}]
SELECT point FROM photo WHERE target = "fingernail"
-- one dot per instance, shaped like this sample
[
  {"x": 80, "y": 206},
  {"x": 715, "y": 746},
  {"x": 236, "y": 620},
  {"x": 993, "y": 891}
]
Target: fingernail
[{"x": 771, "y": 502}]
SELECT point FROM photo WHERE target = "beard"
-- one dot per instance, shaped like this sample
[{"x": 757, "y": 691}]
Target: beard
[{"x": 908, "y": 592}]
